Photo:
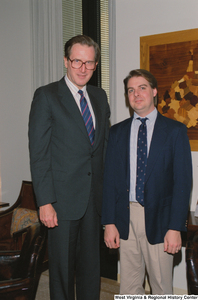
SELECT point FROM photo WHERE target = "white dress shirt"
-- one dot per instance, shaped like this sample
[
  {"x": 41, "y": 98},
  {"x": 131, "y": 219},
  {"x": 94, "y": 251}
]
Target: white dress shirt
[
  {"x": 133, "y": 147},
  {"x": 74, "y": 90}
]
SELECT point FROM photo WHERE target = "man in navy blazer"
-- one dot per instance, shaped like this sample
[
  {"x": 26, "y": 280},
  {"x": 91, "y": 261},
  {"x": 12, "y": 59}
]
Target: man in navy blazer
[
  {"x": 67, "y": 170},
  {"x": 148, "y": 234}
]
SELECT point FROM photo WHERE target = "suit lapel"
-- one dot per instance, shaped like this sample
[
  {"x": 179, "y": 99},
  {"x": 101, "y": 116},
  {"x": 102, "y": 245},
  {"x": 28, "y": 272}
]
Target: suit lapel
[
  {"x": 98, "y": 116},
  {"x": 158, "y": 139},
  {"x": 124, "y": 147},
  {"x": 69, "y": 103}
]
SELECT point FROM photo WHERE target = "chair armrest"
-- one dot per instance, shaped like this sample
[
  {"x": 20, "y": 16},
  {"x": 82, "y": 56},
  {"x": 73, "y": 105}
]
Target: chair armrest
[
  {"x": 5, "y": 224},
  {"x": 10, "y": 288},
  {"x": 8, "y": 262},
  {"x": 19, "y": 236},
  {"x": 192, "y": 264},
  {"x": 18, "y": 233},
  {"x": 9, "y": 254}
]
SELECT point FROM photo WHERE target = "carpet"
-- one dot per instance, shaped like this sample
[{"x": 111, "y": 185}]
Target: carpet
[{"x": 109, "y": 288}]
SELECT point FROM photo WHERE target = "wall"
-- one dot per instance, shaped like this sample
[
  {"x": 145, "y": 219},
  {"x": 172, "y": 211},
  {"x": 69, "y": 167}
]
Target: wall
[
  {"x": 135, "y": 18},
  {"x": 15, "y": 96}
]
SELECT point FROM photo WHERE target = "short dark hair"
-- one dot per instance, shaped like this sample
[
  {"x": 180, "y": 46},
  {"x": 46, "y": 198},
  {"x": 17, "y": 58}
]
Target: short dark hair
[
  {"x": 83, "y": 40},
  {"x": 145, "y": 74}
]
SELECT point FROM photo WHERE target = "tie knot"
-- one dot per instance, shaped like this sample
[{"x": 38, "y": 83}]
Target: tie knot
[
  {"x": 143, "y": 120},
  {"x": 80, "y": 92}
]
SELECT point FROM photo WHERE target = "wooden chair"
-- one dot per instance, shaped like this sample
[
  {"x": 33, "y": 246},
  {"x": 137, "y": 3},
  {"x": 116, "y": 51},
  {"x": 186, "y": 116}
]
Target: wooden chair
[
  {"x": 192, "y": 264},
  {"x": 20, "y": 271},
  {"x": 26, "y": 200}
]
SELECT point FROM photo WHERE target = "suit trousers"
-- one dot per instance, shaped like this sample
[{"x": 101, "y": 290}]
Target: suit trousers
[
  {"x": 137, "y": 254},
  {"x": 74, "y": 253}
]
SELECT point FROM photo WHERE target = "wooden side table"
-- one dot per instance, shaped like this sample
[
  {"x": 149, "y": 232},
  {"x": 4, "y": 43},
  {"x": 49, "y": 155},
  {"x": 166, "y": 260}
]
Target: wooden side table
[
  {"x": 4, "y": 204},
  {"x": 192, "y": 225},
  {"x": 192, "y": 254}
]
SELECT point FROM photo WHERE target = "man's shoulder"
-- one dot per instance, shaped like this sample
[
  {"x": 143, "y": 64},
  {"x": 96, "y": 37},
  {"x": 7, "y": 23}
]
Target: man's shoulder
[
  {"x": 52, "y": 85},
  {"x": 121, "y": 128},
  {"x": 94, "y": 90},
  {"x": 122, "y": 124},
  {"x": 52, "y": 90},
  {"x": 170, "y": 122}
]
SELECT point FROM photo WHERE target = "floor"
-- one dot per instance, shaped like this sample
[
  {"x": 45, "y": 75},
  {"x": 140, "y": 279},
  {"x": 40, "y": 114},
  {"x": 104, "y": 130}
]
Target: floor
[{"x": 109, "y": 288}]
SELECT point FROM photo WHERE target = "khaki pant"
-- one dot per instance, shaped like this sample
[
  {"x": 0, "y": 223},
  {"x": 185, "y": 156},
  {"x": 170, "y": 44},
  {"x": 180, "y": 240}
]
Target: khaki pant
[{"x": 136, "y": 254}]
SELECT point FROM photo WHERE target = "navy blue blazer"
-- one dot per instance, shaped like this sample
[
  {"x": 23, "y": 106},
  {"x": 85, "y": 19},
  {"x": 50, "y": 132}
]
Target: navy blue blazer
[{"x": 167, "y": 184}]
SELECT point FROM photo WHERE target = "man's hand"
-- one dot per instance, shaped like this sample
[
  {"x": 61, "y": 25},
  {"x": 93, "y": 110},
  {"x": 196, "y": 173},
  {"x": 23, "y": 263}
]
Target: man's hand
[
  {"x": 111, "y": 236},
  {"x": 48, "y": 216},
  {"x": 172, "y": 241}
]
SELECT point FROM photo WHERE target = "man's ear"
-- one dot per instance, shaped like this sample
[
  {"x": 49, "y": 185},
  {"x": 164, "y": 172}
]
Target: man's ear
[
  {"x": 95, "y": 66},
  {"x": 65, "y": 62},
  {"x": 154, "y": 92}
]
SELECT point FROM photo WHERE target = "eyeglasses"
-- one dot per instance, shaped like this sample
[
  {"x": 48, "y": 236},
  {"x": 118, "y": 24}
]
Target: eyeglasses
[{"x": 77, "y": 64}]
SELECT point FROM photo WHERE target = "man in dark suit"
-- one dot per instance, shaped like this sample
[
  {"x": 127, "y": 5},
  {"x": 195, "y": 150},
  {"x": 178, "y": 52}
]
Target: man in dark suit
[
  {"x": 68, "y": 131},
  {"x": 144, "y": 213}
]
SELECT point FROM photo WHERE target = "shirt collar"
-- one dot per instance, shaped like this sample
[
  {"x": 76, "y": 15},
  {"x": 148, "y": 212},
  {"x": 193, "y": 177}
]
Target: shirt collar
[
  {"x": 73, "y": 87},
  {"x": 151, "y": 117}
]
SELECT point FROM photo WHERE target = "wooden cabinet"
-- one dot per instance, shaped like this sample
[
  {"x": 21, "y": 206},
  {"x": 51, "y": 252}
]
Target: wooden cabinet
[
  {"x": 192, "y": 254},
  {"x": 192, "y": 224}
]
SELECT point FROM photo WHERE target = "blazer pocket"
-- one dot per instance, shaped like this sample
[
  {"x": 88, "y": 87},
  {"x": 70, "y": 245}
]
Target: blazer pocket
[{"x": 59, "y": 175}]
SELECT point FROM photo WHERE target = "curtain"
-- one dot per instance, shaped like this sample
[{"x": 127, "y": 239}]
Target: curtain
[
  {"x": 46, "y": 41},
  {"x": 112, "y": 61}
]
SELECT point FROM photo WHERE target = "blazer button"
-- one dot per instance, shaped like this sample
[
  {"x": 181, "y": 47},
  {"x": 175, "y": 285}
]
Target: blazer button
[{"x": 89, "y": 173}]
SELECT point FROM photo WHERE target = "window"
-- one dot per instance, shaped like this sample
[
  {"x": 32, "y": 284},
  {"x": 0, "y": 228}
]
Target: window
[
  {"x": 91, "y": 18},
  {"x": 72, "y": 20},
  {"x": 104, "y": 32}
]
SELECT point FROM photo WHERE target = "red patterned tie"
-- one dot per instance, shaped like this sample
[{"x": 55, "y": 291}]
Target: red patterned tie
[{"x": 87, "y": 117}]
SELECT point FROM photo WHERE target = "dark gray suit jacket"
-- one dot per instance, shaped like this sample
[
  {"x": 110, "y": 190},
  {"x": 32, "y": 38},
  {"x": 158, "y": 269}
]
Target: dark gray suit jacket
[{"x": 66, "y": 170}]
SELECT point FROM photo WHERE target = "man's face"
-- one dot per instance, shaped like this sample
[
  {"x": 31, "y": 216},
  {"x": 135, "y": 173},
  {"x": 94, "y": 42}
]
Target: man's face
[
  {"x": 80, "y": 76},
  {"x": 141, "y": 95}
]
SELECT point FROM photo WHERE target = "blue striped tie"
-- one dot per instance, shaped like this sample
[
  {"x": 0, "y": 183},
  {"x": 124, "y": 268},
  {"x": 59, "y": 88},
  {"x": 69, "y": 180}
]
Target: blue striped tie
[
  {"x": 87, "y": 117},
  {"x": 141, "y": 160}
]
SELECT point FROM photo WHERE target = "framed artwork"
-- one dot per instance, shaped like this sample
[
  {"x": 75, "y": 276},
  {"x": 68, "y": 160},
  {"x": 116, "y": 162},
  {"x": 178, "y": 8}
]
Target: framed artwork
[{"x": 173, "y": 59}]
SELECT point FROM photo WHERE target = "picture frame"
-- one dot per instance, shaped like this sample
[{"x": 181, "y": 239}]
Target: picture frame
[{"x": 173, "y": 59}]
